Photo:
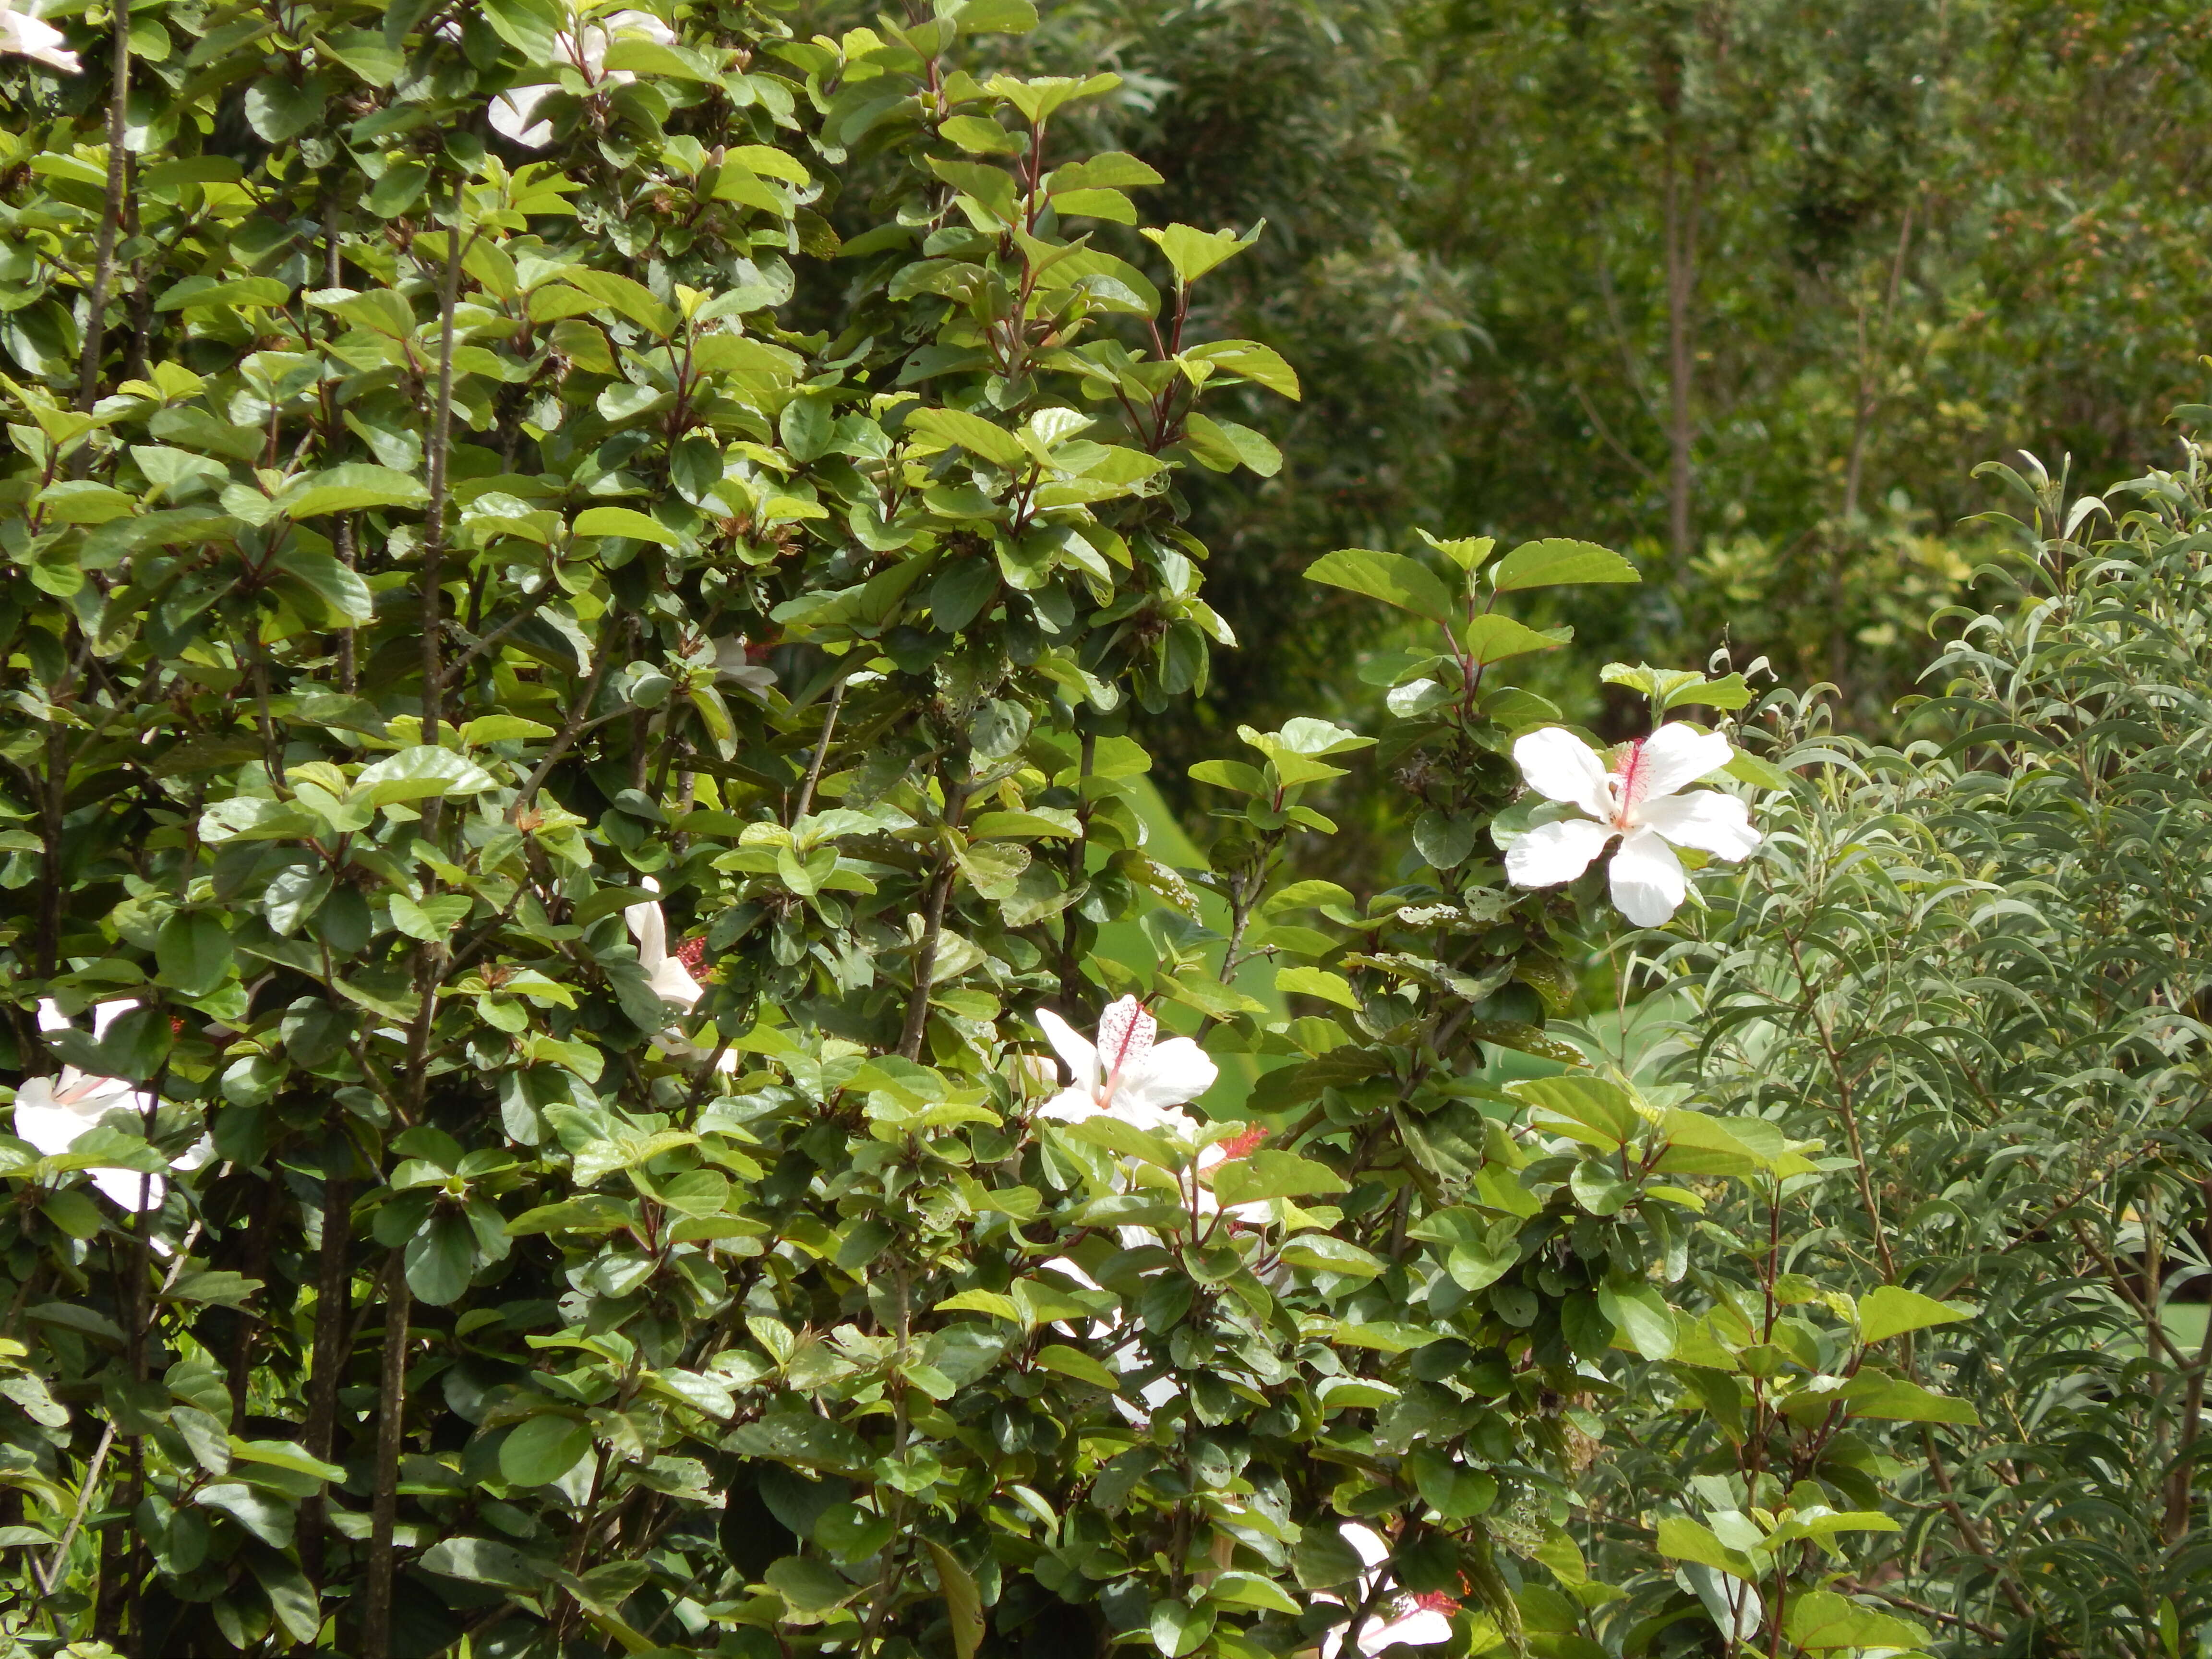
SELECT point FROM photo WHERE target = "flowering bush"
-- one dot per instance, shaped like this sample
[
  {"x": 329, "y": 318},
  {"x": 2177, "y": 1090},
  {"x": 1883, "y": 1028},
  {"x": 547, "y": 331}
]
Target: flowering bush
[{"x": 590, "y": 792}]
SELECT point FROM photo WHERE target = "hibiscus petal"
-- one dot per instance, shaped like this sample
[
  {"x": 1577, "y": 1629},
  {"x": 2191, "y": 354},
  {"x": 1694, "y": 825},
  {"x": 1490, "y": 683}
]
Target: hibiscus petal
[
  {"x": 107, "y": 1013},
  {"x": 1706, "y": 819},
  {"x": 1648, "y": 882},
  {"x": 513, "y": 116},
  {"x": 35, "y": 38},
  {"x": 1073, "y": 1269},
  {"x": 1142, "y": 1115},
  {"x": 1125, "y": 1036},
  {"x": 650, "y": 929},
  {"x": 1560, "y": 766},
  {"x": 1070, "y": 1106},
  {"x": 641, "y": 23},
  {"x": 1554, "y": 852},
  {"x": 1174, "y": 1071},
  {"x": 50, "y": 1127},
  {"x": 130, "y": 1189},
  {"x": 1070, "y": 1044},
  {"x": 1422, "y": 1627},
  {"x": 93, "y": 1097},
  {"x": 1372, "y": 1551},
  {"x": 672, "y": 981},
  {"x": 1672, "y": 757}
]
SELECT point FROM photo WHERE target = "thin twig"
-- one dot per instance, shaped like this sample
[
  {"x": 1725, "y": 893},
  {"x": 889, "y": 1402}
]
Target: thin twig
[
  {"x": 51, "y": 1575},
  {"x": 821, "y": 753},
  {"x": 103, "y": 265}
]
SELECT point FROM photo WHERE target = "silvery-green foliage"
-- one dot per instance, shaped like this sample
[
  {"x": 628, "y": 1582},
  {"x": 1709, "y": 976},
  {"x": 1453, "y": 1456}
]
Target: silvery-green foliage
[{"x": 1969, "y": 969}]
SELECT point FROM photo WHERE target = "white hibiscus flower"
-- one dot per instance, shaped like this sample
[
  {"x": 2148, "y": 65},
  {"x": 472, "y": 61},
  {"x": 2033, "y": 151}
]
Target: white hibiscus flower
[
  {"x": 583, "y": 47},
  {"x": 669, "y": 973},
  {"x": 23, "y": 32},
  {"x": 1127, "y": 1074},
  {"x": 1418, "y": 1621},
  {"x": 670, "y": 978},
  {"x": 54, "y": 1112},
  {"x": 1640, "y": 802}
]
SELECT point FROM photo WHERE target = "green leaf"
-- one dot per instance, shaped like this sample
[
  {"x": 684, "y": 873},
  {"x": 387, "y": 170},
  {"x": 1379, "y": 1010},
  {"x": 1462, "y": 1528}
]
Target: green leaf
[
  {"x": 979, "y": 136},
  {"x": 432, "y": 921},
  {"x": 1323, "y": 1558},
  {"x": 1390, "y": 577},
  {"x": 1557, "y": 562},
  {"x": 1224, "y": 446},
  {"x": 1126, "y": 1139},
  {"x": 441, "y": 1259},
  {"x": 1108, "y": 204},
  {"x": 80, "y": 500},
  {"x": 1039, "y": 97},
  {"x": 624, "y": 521},
  {"x": 268, "y": 1518},
  {"x": 1318, "y": 983},
  {"x": 1643, "y": 1318},
  {"x": 284, "y": 1454},
  {"x": 199, "y": 291},
  {"x": 1231, "y": 775},
  {"x": 1383, "y": 1337},
  {"x": 1178, "y": 1628},
  {"x": 807, "y": 1585},
  {"x": 996, "y": 17},
  {"x": 956, "y": 428},
  {"x": 341, "y": 598},
  {"x": 486, "y": 1561},
  {"x": 193, "y": 952},
  {"x": 352, "y": 488},
  {"x": 1492, "y": 638},
  {"x": 1455, "y": 1491},
  {"x": 963, "y": 1602},
  {"x": 1249, "y": 1589},
  {"x": 1892, "y": 1399},
  {"x": 73, "y": 1211},
  {"x": 633, "y": 299},
  {"x": 1111, "y": 169},
  {"x": 1192, "y": 253},
  {"x": 801, "y": 1438},
  {"x": 1891, "y": 1310},
  {"x": 1598, "y": 1112},
  {"x": 277, "y": 108},
  {"x": 1269, "y": 1174},
  {"x": 1820, "y": 1619},
  {"x": 1249, "y": 360},
  {"x": 420, "y": 773},
  {"x": 364, "y": 53},
  {"x": 1325, "y": 1254},
  {"x": 1681, "y": 1539},
  {"x": 1073, "y": 1362},
  {"x": 398, "y": 187},
  {"x": 291, "y": 1597},
  {"x": 541, "y": 1449},
  {"x": 1673, "y": 688}
]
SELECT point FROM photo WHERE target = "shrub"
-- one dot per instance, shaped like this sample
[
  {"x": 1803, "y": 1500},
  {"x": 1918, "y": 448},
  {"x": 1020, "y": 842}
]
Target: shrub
[
  {"x": 1968, "y": 968},
  {"x": 541, "y": 803}
]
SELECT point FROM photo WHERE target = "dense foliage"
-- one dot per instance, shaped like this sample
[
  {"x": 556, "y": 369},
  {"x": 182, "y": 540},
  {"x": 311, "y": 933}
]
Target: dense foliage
[
  {"x": 606, "y": 1052},
  {"x": 1974, "y": 969},
  {"x": 1908, "y": 235},
  {"x": 543, "y": 802}
]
